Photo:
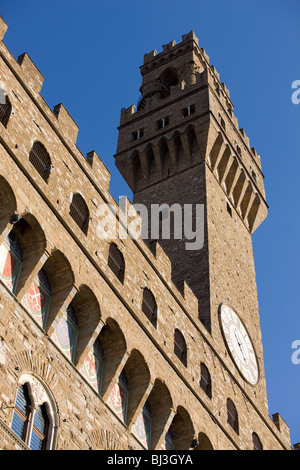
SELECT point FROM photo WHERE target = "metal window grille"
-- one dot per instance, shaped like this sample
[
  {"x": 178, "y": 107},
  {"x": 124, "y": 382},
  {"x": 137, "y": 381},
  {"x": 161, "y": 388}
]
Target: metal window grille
[
  {"x": 149, "y": 306},
  {"x": 5, "y": 108},
  {"x": 40, "y": 159},
  {"x": 79, "y": 212},
  {"x": 180, "y": 347},
  {"x": 205, "y": 381},
  {"x": 257, "y": 445},
  {"x": 232, "y": 416},
  {"x": 116, "y": 262}
]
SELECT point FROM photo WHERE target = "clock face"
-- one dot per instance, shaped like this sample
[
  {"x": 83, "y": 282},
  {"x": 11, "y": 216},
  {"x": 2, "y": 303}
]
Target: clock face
[{"x": 239, "y": 344}]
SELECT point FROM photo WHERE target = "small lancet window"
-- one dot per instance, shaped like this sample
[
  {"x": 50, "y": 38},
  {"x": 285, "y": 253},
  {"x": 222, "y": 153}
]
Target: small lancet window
[
  {"x": 40, "y": 159},
  {"x": 190, "y": 109},
  {"x": 80, "y": 212},
  {"x": 205, "y": 381},
  {"x": 232, "y": 416},
  {"x": 257, "y": 445},
  {"x": 149, "y": 306},
  {"x": 116, "y": 262},
  {"x": 5, "y": 108},
  {"x": 180, "y": 348}
]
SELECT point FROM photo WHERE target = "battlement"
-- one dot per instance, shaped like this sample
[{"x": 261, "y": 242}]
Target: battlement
[{"x": 59, "y": 118}]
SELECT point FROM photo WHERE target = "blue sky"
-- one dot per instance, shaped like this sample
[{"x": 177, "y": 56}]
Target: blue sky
[{"x": 90, "y": 52}]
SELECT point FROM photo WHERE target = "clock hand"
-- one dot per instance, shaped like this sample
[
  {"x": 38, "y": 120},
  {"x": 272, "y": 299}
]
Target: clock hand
[{"x": 240, "y": 346}]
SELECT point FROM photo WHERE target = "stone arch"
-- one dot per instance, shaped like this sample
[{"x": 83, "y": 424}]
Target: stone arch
[
  {"x": 86, "y": 310},
  {"x": 182, "y": 429},
  {"x": 192, "y": 144},
  {"x": 167, "y": 165},
  {"x": 8, "y": 203},
  {"x": 103, "y": 439},
  {"x": 138, "y": 177},
  {"x": 114, "y": 347},
  {"x": 138, "y": 376},
  {"x": 181, "y": 161},
  {"x": 33, "y": 242},
  {"x": 215, "y": 150},
  {"x": 204, "y": 442},
  {"x": 61, "y": 279},
  {"x": 153, "y": 173},
  {"x": 161, "y": 405},
  {"x": 229, "y": 180},
  {"x": 42, "y": 367}
]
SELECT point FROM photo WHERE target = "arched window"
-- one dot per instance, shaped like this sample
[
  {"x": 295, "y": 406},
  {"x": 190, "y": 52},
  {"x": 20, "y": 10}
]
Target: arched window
[
  {"x": 149, "y": 306},
  {"x": 5, "y": 108},
  {"x": 116, "y": 262},
  {"x": 180, "y": 348},
  {"x": 257, "y": 445},
  {"x": 66, "y": 331},
  {"x": 11, "y": 255},
  {"x": 21, "y": 412},
  {"x": 92, "y": 367},
  {"x": 205, "y": 380},
  {"x": 33, "y": 419},
  {"x": 142, "y": 427},
  {"x": 168, "y": 443},
  {"x": 232, "y": 416},
  {"x": 40, "y": 159},
  {"x": 37, "y": 298},
  {"x": 118, "y": 398},
  {"x": 80, "y": 212}
]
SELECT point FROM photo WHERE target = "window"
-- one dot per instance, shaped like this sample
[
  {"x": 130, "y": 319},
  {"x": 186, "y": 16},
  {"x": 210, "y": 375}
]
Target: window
[
  {"x": 21, "y": 413},
  {"x": 5, "y": 108},
  {"x": 222, "y": 122},
  {"x": 168, "y": 443},
  {"x": 253, "y": 174},
  {"x": 229, "y": 208},
  {"x": 257, "y": 445},
  {"x": 232, "y": 416},
  {"x": 188, "y": 110},
  {"x": 149, "y": 307},
  {"x": 118, "y": 398},
  {"x": 237, "y": 148},
  {"x": 180, "y": 348},
  {"x": 11, "y": 255},
  {"x": 116, "y": 262},
  {"x": 33, "y": 418},
  {"x": 162, "y": 122},
  {"x": 79, "y": 212},
  {"x": 205, "y": 381},
  {"x": 142, "y": 427},
  {"x": 37, "y": 298},
  {"x": 40, "y": 159},
  {"x": 65, "y": 334},
  {"x": 92, "y": 367},
  {"x": 137, "y": 134}
]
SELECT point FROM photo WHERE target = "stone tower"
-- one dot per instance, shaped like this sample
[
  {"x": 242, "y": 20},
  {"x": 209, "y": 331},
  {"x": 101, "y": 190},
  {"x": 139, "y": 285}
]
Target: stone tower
[
  {"x": 120, "y": 343},
  {"x": 182, "y": 146}
]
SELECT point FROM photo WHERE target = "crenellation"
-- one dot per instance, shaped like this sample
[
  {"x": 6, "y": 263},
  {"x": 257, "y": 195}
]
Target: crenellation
[
  {"x": 128, "y": 293},
  {"x": 66, "y": 123},
  {"x": 3, "y": 28},
  {"x": 32, "y": 76},
  {"x": 100, "y": 172}
]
